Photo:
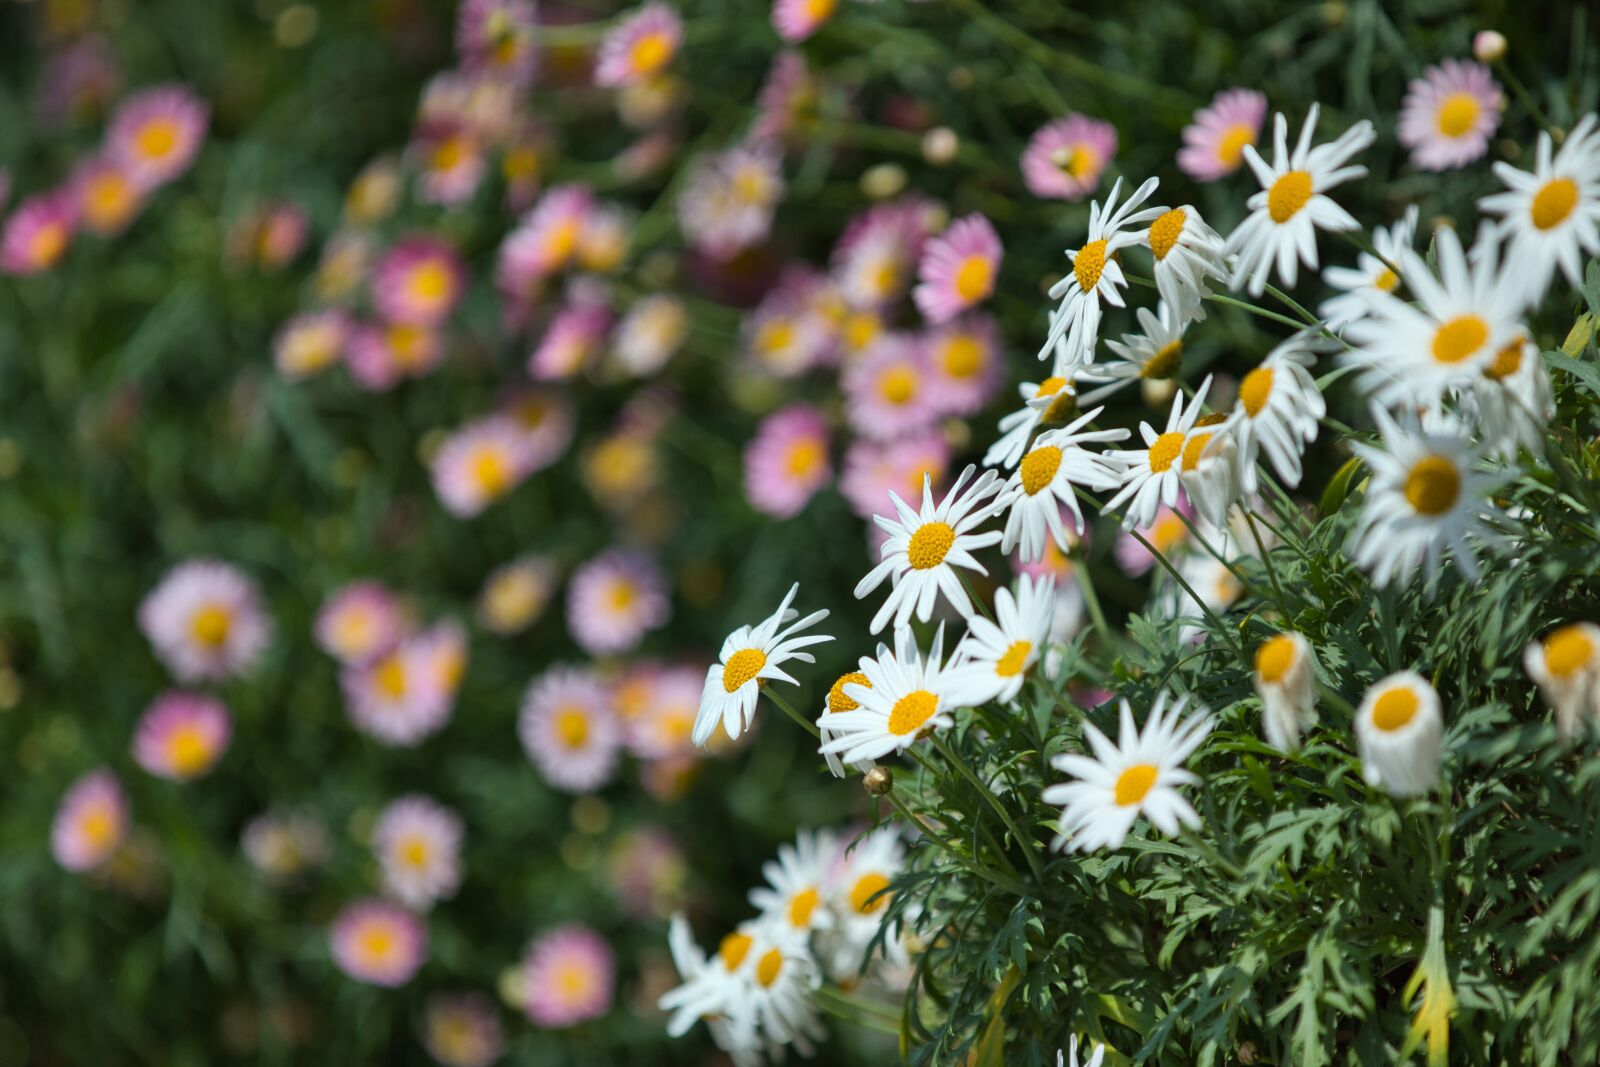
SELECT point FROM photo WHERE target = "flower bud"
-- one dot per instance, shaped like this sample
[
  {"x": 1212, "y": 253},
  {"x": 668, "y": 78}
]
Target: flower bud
[
  {"x": 878, "y": 781},
  {"x": 1488, "y": 46},
  {"x": 940, "y": 145},
  {"x": 883, "y": 181}
]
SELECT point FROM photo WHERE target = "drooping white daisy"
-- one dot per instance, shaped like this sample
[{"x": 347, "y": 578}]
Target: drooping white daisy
[
  {"x": 1285, "y": 680},
  {"x": 1425, "y": 498},
  {"x": 993, "y": 659},
  {"x": 1140, "y": 773},
  {"x": 1095, "y": 275},
  {"x": 417, "y": 843},
  {"x": 750, "y": 657},
  {"x": 1150, "y": 474},
  {"x": 923, "y": 549},
  {"x": 1277, "y": 411},
  {"x": 1187, "y": 253},
  {"x": 906, "y": 696},
  {"x": 1153, "y": 354},
  {"x": 1370, "y": 274},
  {"x": 1208, "y": 470},
  {"x": 1553, "y": 214},
  {"x": 1512, "y": 401},
  {"x": 1046, "y": 481},
  {"x": 1053, "y": 400},
  {"x": 796, "y": 881},
  {"x": 1293, "y": 202},
  {"x": 1566, "y": 665},
  {"x": 1398, "y": 731}
]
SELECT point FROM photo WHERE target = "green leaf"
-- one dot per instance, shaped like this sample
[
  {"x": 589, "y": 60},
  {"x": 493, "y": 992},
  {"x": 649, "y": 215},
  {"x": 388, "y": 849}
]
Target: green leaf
[
  {"x": 1584, "y": 372},
  {"x": 1338, "y": 488}
]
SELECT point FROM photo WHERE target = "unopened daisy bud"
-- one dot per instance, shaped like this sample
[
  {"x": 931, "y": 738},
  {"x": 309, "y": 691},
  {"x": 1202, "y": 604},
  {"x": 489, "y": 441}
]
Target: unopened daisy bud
[
  {"x": 1566, "y": 664},
  {"x": 883, "y": 181},
  {"x": 1398, "y": 730},
  {"x": 940, "y": 145},
  {"x": 1488, "y": 46},
  {"x": 1286, "y": 684},
  {"x": 878, "y": 782},
  {"x": 1157, "y": 392}
]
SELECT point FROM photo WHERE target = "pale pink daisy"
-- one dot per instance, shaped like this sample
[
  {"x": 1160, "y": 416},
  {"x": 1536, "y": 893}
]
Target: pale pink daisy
[
  {"x": 786, "y": 463},
  {"x": 1214, "y": 143},
  {"x": 728, "y": 199},
  {"x": 283, "y": 845},
  {"x": 401, "y": 697},
  {"x": 80, "y": 79},
  {"x": 787, "y": 103},
  {"x": 639, "y": 47},
  {"x": 613, "y": 600},
  {"x": 574, "y": 340},
  {"x": 359, "y": 621},
  {"x": 419, "y": 281},
  {"x": 603, "y": 242},
  {"x": 379, "y": 355},
  {"x": 450, "y": 162},
  {"x": 1168, "y": 535},
  {"x": 182, "y": 735},
  {"x": 498, "y": 37},
  {"x": 958, "y": 269},
  {"x": 377, "y": 942},
  {"x": 873, "y": 469},
  {"x": 417, "y": 843},
  {"x": 462, "y": 1030},
  {"x": 480, "y": 463},
  {"x": 157, "y": 133},
  {"x": 545, "y": 241},
  {"x": 516, "y": 594},
  {"x": 965, "y": 364},
  {"x": 662, "y": 728},
  {"x": 889, "y": 391},
  {"x": 277, "y": 233},
  {"x": 569, "y": 729},
  {"x": 787, "y": 334},
  {"x": 1449, "y": 114},
  {"x": 38, "y": 233},
  {"x": 649, "y": 335},
  {"x": 1065, "y": 158},
  {"x": 205, "y": 621},
  {"x": 90, "y": 823},
  {"x": 443, "y": 650},
  {"x": 795, "y": 20},
  {"x": 107, "y": 194},
  {"x": 311, "y": 342},
  {"x": 547, "y": 422},
  {"x": 873, "y": 259},
  {"x": 567, "y": 977},
  {"x": 648, "y": 871}
]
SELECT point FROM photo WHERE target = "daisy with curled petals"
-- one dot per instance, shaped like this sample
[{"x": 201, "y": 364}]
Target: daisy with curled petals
[
  {"x": 1154, "y": 354},
  {"x": 640, "y": 47},
  {"x": 796, "y": 881},
  {"x": 836, "y": 703},
  {"x": 1052, "y": 400},
  {"x": 1399, "y": 727},
  {"x": 1412, "y": 353},
  {"x": 1208, "y": 470},
  {"x": 750, "y": 657},
  {"x": 1213, "y": 145},
  {"x": 1372, "y": 273},
  {"x": 1552, "y": 214},
  {"x": 1047, "y": 479},
  {"x": 1186, "y": 253},
  {"x": 1512, "y": 400},
  {"x": 906, "y": 696},
  {"x": 1141, "y": 773},
  {"x": 1277, "y": 411},
  {"x": 1150, "y": 475},
  {"x": 1566, "y": 665},
  {"x": 1424, "y": 499},
  {"x": 1449, "y": 114},
  {"x": 924, "y": 548},
  {"x": 958, "y": 269},
  {"x": 1095, "y": 275},
  {"x": 1293, "y": 202},
  {"x": 993, "y": 659}
]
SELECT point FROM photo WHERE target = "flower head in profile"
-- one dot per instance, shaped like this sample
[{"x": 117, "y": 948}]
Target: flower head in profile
[
  {"x": 787, "y": 462},
  {"x": 1449, "y": 114},
  {"x": 545, "y": 240},
  {"x": 1187, "y": 254},
  {"x": 640, "y": 47},
  {"x": 359, "y": 621},
  {"x": 1140, "y": 774},
  {"x": 462, "y": 1030},
  {"x": 417, "y": 843},
  {"x": 419, "y": 281},
  {"x": 1399, "y": 728},
  {"x": 1064, "y": 159},
  {"x": 479, "y": 464},
  {"x": 1285, "y": 680},
  {"x": 1566, "y": 665},
  {"x": 379, "y": 943},
  {"x": 157, "y": 133},
  {"x": 567, "y": 977},
  {"x": 1214, "y": 143},
  {"x": 90, "y": 822},
  {"x": 906, "y": 697},
  {"x": 38, "y": 233},
  {"x": 752, "y": 656},
  {"x": 1070, "y": 1057},
  {"x": 958, "y": 269},
  {"x": 1278, "y": 411},
  {"x": 182, "y": 735},
  {"x": 206, "y": 621},
  {"x": 515, "y": 594},
  {"x": 569, "y": 729},
  {"x": 614, "y": 599}
]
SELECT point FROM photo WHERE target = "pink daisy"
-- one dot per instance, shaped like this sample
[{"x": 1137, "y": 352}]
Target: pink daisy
[
  {"x": 546, "y": 420},
  {"x": 640, "y": 47},
  {"x": 1065, "y": 158},
  {"x": 417, "y": 843},
  {"x": 401, "y": 697},
  {"x": 728, "y": 199},
  {"x": 873, "y": 468},
  {"x": 310, "y": 343},
  {"x": 516, "y": 594},
  {"x": 377, "y": 942},
  {"x": 205, "y": 621},
  {"x": 37, "y": 234},
  {"x": 569, "y": 730},
  {"x": 787, "y": 334},
  {"x": 795, "y": 20},
  {"x": 182, "y": 735},
  {"x": 343, "y": 266},
  {"x": 874, "y": 256},
  {"x": 419, "y": 281},
  {"x": 450, "y": 162},
  {"x": 1168, "y": 534},
  {"x": 544, "y": 242},
  {"x": 613, "y": 600},
  {"x": 107, "y": 196},
  {"x": 574, "y": 340},
  {"x": 379, "y": 355},
  {"x": 498, "y": 37},
  {"x": 888, "y": 391},
  {"x": 1449, "y": 114},
  {"x": 81, "y": 78},
  {"x": 663, "y": 727},
  {"x": 157, "y": 133},
  {"x": 633, "y": 692},
  {"x": 444, "y": 654},
  {"x": 360, "y": 621},
  {"x": 958, "y": 269},
  {"x": 966, "y": 364},
  {"x": 567, "y": 977},
  {"x": 787, "y": 104},
  {"x": 787, "y": 461},
  {"x": 603, "y": 242},
  {"x": 648, "y": 871},
  {"x": 283, "y": 845},
  {"x": 1213, "y": 145},
  {"x": 275, "y": 234},
  {"x": 478, "y": 464},
  {"x": 90, "y": 823},
  {"x": 462, "y": 1030}
]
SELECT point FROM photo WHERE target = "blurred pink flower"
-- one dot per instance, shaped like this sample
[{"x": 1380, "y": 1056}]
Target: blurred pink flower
[
  {"x": 182, "y": 735},
  {"x": 965, "y": 363},
  {"x": 38, "y": 233},
  {"x": 311, "y": 342},
  {"x": 728, "y": 199},
  {"x": 887, "y": 390},
  {"x": 419, "y": 281},
  {"x": 1449, "y": 114},
  {"x": 1213, "y": 145},
  {"x": 377, "y": 942},
  {"x": 958, "y": 269},
  {"x": 613, "y": 600},
  {"x": 479, "y": 463},
  {"x": 569, "y": 729},
  {"x": 1065, "y": 158},
  {"x": 639, "y": 47},
  {"x": 157, "y": 133},
  {"x": 417, "y": 843},
  {"x": 90, "y": 823},
  {"x": 786, "y": 463},
  {"x": 873, "y": 468},
  {"x": 359, "y": 622},
  {"x": 795, "y": 20},
  {"x": 462, "y": 1030},
  {"x": 499, "y": 37},
  {"x": 206, "y": 621},
  {"x": 567, "y": 977}
]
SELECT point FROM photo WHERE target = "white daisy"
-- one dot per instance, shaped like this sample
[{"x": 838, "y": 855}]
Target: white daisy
[
  {"x": 1398, "y": 731},
  {"x": 924, "y": 548},
  {"x": 1208, "y": 470},
  {"x": 1141, "y": 773},
  {"x": 1095, "y": 275},
  {"x": 1551, "y": 214},
  {"x": 906, "y": 696},
  {"x": 1277, "y": 411},
  {"x": 796, "y": 881},
  {"x": 1285, "y": 680},
  {"x": 1186, "y": 252},
  {"x": 1512, "y": 401},
  {"x": 993, "y": 659},
  {"x": 1155, "y": 354},
  {"x": 1424, "y": 498},
  {"x": 749, "y": 658},
  {"x": 837, "y": 703},
  {"x": 859, "y": 895},
  {"x": 1045, "y": 481},
  {"x": 710, "y": 988},
  {"x": 1370, "y": 274},
  {"x": 775, "y": 1001},
  {"x": 1150, "y": 474},
  {"x": 1052, "y": 401},
  {"x": 1293, "y": 202},
  {"x": 1566, "y": 665}
]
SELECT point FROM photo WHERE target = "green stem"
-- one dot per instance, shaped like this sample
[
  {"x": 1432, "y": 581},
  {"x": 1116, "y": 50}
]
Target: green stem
[
  {"x": 810, "y": 726},
  {"x": 970, "y": 864},
  {"x": 1266, "y": 561},
  {"x": 1027, "y": 844},
  {"x": 1524, "y": 97}
]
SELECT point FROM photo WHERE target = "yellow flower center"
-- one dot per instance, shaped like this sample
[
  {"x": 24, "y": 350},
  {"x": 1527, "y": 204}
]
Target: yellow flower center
[
  {"x": 768, "y": 967},
  {"x": 837, "y": 701},
  {"x": 1164, "y": 450},
  {"x": 1507, "y": 361},
  {"x": 491, "y": 472},
  {"x": 801, "y": 907},
  {"x": 1167, "y": 533},
  {"x": 448, "y": 154},
  {"x": 803, "y": 458},
  {"x": 575, "y": 981},
  {"x": 1255, "y": 389},
  {"x": 1193, "y": 449},
  {"x": 734, "y": 948},
  {"x": 1230, "y": 150},
  {"x": 1554, "y": 202},
  {"x": 1394, "y": 708},
  {"x": 1010, "y": 665},
  {"x": 1134, "y": 784},
  {"x": 1288, "y": 195},
  {"x": 1039, "y": 468},
  {"x": 1090, "y": 262},
  {"x": 1567, "y": 651},
  {"x": 820, "y": 10},
  {"x": 1165, "y": 231},
  {"x": 898, "y": 385},
  {"x": 1386, "y": 281},
  {"x": 1458, "y": 114},
  {"x": 930, "y": 544},
  {"x": 911, "y": 711},
  {"x": 210, "y": 625},
  {"x": 651, "y": 52},
  {"x": 157, "y": 138},
  {"x": 1077, "y": 160},
  {"x": 963, "y": 356},
  {"x": 1274, "y": 658},
  {"x": 572, "y": 727},
  {"x": 1049, "y": 387},
  {"x": 563, "y": 240},
  {"x": 390, "y": 677},
  {"x": 750, "y": 185},
  {"x": 429, "y": 282},
  {"x": 975, "y": 279},
  {"x": 860, "y": 329},
  {"x": 1166, "y": 362},
  {"x": 49, "y": 241},
  {"x": 108, "y": 198},
  {"x": 867, "y": 887},
  {"x": 98, "y": 826},
  {"x": 1459, "y": 338},
  {"x": 188, "y": 751},
  {"x": 408, "y": 345},
  {"x": 1432, "y": 485},
  {"x": 742, "y": 666},
  {"x": 377, "y": 943},
  {"x": 414, "y": 852}
]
